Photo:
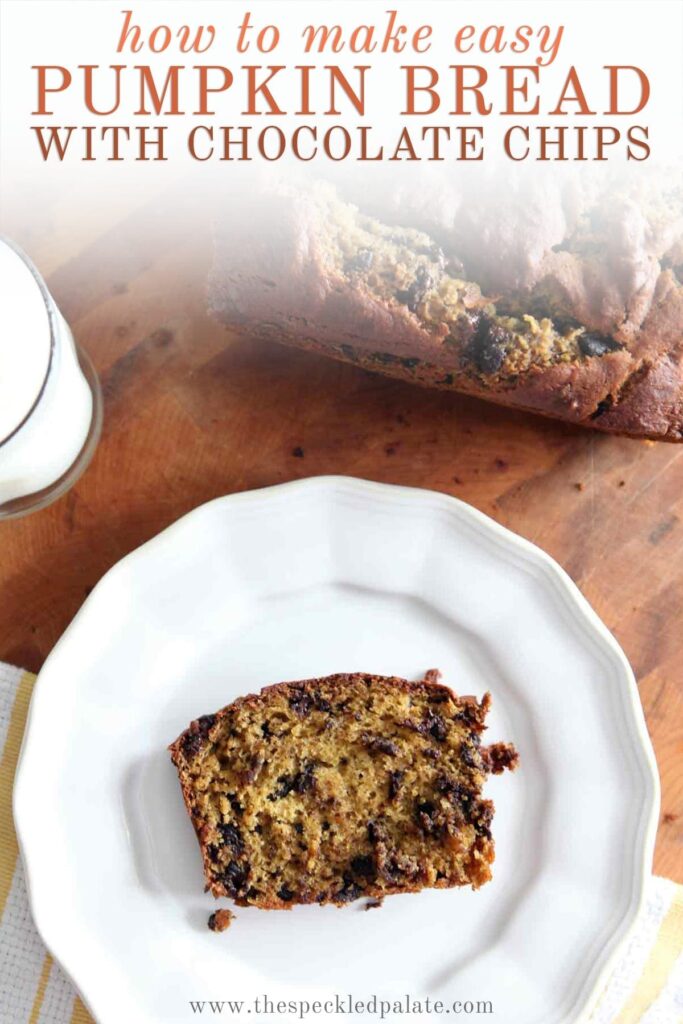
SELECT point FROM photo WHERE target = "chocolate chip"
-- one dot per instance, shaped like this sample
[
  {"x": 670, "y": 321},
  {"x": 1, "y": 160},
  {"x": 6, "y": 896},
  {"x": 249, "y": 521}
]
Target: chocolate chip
[
  {"x": 474, "y": 811},
  {"x": 597, "y": 344},
  {"x": 381, "y": 744},
  {"x": 426, "y": 807},
  {"x": 234, "y": 878},
  {"x": 432, "y": 724},
  {"x": 196, "y": 736},
  {"x": 235, "y": 804},
  {"x": 432, "y": 753},
  {"x": 192, "y": 743},
  {"x": 285, "y": 785},
  {"x": 301, "y": 782},
  {"x": 488, "y": 346},
  {"x": 360, "y": 262},
  {"x": 602, "y": 407},
  {"x": 565, "y": 324},
  {"x": 213, "y": 852},
  {"x": 298, "y": 452},
  {"x": 374, "y": 832},
  {"x": 384, "y": 357},
  {"x": 425, "y": 814},
  {"x": 231, "y": 837},
  {"x": 398, "y": 866},
  {"x": 436, "y": 726},
  {"x": 413, "y": 295},
  {"x": 348, "y": 892},
  {"x": 454, "y": 790},
  {"x": 468, "y": 715},
  {"x": 468, "y": 756},
  {"x": 301, "y": 703},
  {"x": 481, "y": 817},
  {"x": 395, "y": 783},
  {"x": 364, "y": 866},
  {"x": 305, "y": 779},
  {"x": 392, "y": 870},
  {"x": 286, "y": 894}
]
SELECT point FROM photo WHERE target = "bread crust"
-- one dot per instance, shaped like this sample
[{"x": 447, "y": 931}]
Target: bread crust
[{"x": 270, "y": 281}]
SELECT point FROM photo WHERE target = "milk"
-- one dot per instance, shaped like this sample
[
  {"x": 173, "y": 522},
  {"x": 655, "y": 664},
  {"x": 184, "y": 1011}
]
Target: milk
[{"x": 46, "y": 403}]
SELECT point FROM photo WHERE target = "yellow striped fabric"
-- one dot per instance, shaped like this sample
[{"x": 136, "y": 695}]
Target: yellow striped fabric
[
  {"x": 15, "y": 694},
  {"x": 646, "y": 986},
  {"x": 40, "y": 991}
]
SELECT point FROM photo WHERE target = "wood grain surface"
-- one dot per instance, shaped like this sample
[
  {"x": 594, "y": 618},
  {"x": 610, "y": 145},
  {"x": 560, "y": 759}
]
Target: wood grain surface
[{"x": 192, "y": 413}]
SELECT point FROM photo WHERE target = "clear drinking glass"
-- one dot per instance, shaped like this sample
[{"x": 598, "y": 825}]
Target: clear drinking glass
[{"x": 50, "y": 396}]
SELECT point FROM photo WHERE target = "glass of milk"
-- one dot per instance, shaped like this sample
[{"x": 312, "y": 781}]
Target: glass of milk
[{"x": 50, "y": 397}]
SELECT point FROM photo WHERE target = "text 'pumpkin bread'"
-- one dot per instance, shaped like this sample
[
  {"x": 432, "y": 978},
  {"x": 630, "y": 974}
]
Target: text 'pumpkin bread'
[{"x": 330, "y": 789}]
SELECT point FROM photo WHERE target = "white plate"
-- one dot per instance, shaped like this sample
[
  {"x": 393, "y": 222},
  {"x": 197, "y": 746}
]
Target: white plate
[{"x": 330, "y": 575}]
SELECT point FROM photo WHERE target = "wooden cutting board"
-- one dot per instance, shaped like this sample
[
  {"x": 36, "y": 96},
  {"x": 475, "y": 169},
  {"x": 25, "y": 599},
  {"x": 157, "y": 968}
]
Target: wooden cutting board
[{"x": 192, "y": 413}]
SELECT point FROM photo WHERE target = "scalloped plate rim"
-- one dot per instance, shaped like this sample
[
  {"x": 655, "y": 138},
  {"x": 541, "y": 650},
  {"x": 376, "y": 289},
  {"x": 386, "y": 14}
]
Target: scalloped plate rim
[{"x": 588, "y": 992}]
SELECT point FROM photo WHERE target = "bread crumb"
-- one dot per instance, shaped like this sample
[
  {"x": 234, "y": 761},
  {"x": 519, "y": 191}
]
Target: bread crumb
[
  {"x": 373, "y": 905},
  {"x": 580, "y": 486},
  {"x": 432, "y": 675},
  {"x": 221, "y": 920}
]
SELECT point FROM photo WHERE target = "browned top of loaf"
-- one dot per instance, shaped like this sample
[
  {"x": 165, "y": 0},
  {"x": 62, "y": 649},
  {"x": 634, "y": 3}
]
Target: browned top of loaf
[{"x": 270, "y": 279}]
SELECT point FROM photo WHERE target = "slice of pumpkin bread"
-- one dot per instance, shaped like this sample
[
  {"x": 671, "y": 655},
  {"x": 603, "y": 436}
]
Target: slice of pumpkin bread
[{"x": 329, "y": 789}]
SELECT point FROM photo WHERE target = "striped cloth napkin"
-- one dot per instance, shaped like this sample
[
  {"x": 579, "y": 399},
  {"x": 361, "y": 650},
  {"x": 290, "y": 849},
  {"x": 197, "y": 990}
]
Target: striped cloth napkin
[{"x": 646, "y": 986}]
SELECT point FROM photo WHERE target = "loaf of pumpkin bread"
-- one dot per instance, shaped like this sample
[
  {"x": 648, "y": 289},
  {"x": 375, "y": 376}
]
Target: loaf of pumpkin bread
[{"x": 311, "y": 270}]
